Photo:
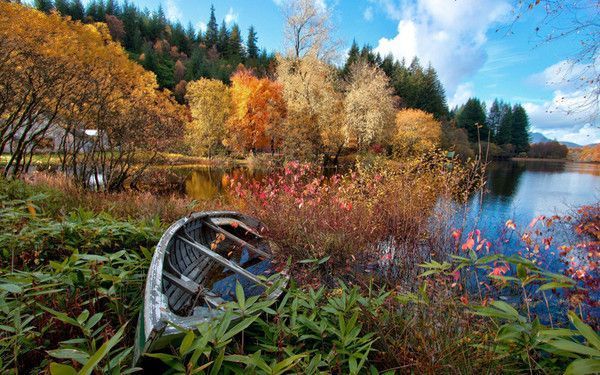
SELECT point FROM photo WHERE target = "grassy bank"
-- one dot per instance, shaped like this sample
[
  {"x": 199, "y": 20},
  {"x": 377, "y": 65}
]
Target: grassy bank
[{"x": 74, "y": 263}]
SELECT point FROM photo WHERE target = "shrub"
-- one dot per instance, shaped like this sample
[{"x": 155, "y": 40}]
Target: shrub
[
  {"x": 548, "y": 150},
  {"x": 345, "y": 217}
]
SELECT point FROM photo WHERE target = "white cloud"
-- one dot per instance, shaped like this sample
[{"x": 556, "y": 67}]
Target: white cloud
[
  {"x": 462, "y": 93},
  {"x": 572, "y": 113},
  {"x": 172, "y": 11},
  {"x": 566, "y": 117},
  {"x": 321, "y": 4},
  {"x": 201, "y": 26},
  {"x": 231, "y": 17},
  {"x": 449, "y": 34},
  {"x": 368, "y": 14}
]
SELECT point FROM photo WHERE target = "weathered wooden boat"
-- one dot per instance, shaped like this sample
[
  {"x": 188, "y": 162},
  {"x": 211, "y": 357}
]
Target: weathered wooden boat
[{"x": 194, "y": 272}]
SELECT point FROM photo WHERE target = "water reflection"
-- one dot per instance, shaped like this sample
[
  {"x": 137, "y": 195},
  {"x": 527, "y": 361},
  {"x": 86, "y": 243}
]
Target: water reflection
[
  {"x": 205, "y": 183},
  {"x": 503, "y": 178},
  {"x": 522, "y": 190}
]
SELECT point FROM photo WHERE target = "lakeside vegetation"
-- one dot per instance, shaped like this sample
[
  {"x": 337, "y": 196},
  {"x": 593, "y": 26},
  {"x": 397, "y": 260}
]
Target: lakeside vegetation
[
  {"x": 383, "y": 280},
  {"x": 352, "y": 307}
]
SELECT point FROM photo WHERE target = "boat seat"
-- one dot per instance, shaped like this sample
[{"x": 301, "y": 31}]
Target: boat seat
[
  {"x": 187, "y": 285},
  {"x": 194, "y": 288}
]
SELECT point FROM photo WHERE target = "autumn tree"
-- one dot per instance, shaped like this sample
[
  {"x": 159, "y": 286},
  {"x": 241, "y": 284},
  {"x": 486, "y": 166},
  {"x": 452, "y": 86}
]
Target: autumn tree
[
  {"x": 210, "y": 107},
  {"x": 308, "y": 29},
  {"x": 416, "y": 132},
  {"x": 315, "y": 120},
  {"x": 369, "y": 106},
  {"x": 73, "y": 79},
  {"x": 258, "y": 111}
]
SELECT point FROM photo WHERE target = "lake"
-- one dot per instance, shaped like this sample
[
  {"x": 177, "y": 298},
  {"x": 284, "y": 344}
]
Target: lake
[
  {"x": 522, "y": 190},
  {"x": 517, "y": 190}
]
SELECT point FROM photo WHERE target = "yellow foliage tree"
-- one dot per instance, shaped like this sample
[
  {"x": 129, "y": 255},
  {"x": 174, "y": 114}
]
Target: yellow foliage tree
[
  {"x": 258, "y": 110},
  {"x": 66, "y": 77},
  {"x": 369, "y": 106},
  {"x": 314, "y": 123},
  {"x": 210, "y": 107},
  {"x": 416, "y": 132}
]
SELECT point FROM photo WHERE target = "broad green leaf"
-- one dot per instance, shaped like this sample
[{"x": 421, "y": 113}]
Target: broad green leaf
[
  {"x": 102, "y": 352},
  {"x": 583, "y": 367},
  {"x": 186, "y": 343},
  {"x": 554, "y": 285},
  {"x": 585, "y": 330},
  {"x": 573, "y": 347},
  {"x": 74, "y": 354},
  {"x": 60, "y": 369}
]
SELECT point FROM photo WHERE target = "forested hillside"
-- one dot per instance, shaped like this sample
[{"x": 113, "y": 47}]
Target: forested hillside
[
  {"x": 180, "y": 55},
  {"x": 177, "y": 54}
]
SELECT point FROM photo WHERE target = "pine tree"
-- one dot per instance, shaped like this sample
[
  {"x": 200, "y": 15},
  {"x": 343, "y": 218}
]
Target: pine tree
[
  {"x": 190, "y": 34},
  {"x": 92, "y": 10},
  {"x": 195, "y": 65},
  {"x": 472, "y": 118},
  {"x": 133, "y": 35},
  {"x": 77, "y": 11},
  {"x": 520, "y": 129},
  {"x": 62, "y": 6},
  {"x": 353, "y": 56},
  {"x": 43, "y": 5},
  {"x": 387, "y": 65},
  {"x": 111, "y": 8},
  {"x": 212, "y": 32},
  {"x": 251, "y": 44},
  {"x": 235, "y": 48},
  {"x": 431, "y": 95},
  {"x": 222, "y": 39},
  {"x": 504, "y": 134},
  {"x": 179, "y": 39},
  {"x": 494, "y": 118}
]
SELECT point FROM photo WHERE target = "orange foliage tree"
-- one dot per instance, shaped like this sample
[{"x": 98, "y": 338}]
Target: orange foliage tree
[
  {"x": 63, "y": 77},
  {"x": 258, "y": 110}
]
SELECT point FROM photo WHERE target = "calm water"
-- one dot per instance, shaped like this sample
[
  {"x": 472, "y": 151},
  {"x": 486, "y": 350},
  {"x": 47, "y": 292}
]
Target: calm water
[
  {"x": 522, "y": 190},
  {"x": 518, "y": 190}
]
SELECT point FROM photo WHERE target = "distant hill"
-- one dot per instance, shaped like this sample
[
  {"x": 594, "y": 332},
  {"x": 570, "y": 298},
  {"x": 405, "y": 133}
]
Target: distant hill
[{"x": 539, "y": 138}]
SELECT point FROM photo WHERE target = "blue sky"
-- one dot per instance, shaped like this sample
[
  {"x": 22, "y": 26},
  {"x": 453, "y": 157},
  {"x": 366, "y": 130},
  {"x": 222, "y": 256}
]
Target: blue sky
[{"x": 474, "y": 45}]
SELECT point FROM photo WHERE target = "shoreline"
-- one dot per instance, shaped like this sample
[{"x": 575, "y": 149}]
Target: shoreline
[{"x": 554, "y": 160}]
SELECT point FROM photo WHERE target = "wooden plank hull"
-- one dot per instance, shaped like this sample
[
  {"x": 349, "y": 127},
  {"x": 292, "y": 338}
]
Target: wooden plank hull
[{"x": 194, "y": 271}]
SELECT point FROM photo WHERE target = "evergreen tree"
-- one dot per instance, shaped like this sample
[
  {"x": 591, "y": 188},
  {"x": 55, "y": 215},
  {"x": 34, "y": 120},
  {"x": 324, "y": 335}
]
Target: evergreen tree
[
  {"x": 494, "y": 118},
  {"x": 235, "y": 48},
  {"x": 431, "y": 95},
  {"x": 62, "y": 6},
  {"x": 133, "y": 36},
  {"x": 111, "y": 8},
  {"x": 353, "y": 56},
  {"x": 43, "y": 5},
  {"x": 520, "y": 129},
  {"x": 92, "y": 11},
  {"x": 251, "y": 44},
  {"x": 150, "y": 61},
  {"x": 190, "y": 34},
  {"x": 195, "y": 65},
  {"x": 76, "y": 11},
  {"x": 471, "y": 117},
  {"x": 504, "y": 134},
  {"x": 179, "y": 38},
  {"x": 222, "y": 39},
  {"x": 387, "y": 65},
  {"x": 212, "y": 32}
]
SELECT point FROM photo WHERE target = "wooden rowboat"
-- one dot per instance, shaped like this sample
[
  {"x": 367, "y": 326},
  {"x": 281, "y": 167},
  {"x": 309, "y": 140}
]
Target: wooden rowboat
[{"x": 194, "y": 271}]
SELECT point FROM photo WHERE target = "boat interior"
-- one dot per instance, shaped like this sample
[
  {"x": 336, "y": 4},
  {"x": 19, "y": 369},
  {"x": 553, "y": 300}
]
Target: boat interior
[{"x": 207, "y": 256}]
